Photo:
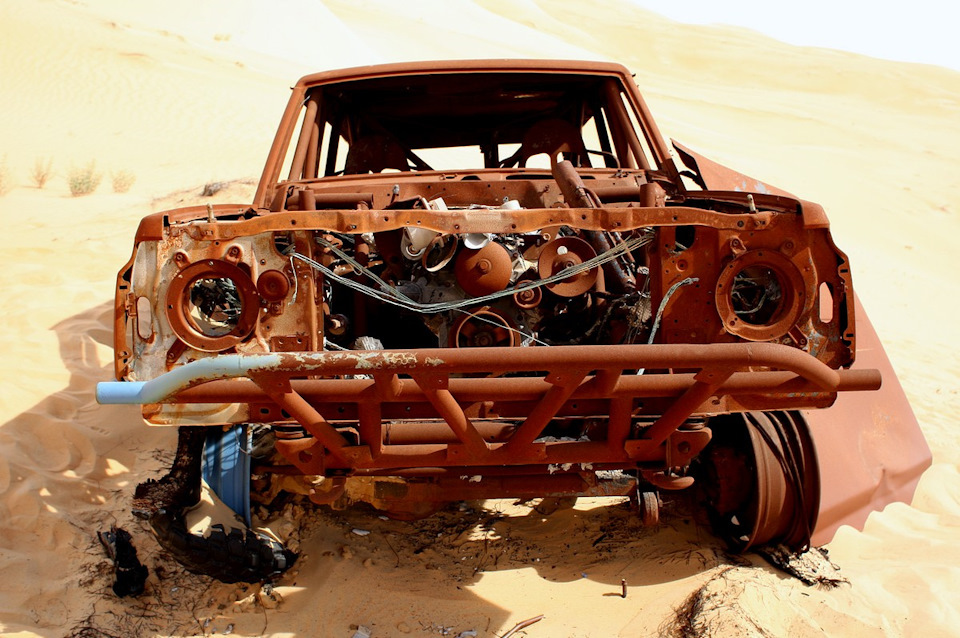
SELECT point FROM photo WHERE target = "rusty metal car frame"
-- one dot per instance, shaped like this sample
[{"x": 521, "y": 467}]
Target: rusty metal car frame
[{"x": 655, "y": 308}]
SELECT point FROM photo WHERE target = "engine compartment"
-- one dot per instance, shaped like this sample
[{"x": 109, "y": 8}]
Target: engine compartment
[{"x": 422, "y": 273}]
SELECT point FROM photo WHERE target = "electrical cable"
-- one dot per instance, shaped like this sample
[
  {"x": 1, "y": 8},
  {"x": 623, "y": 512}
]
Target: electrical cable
[{"x": 391, "y": 295}]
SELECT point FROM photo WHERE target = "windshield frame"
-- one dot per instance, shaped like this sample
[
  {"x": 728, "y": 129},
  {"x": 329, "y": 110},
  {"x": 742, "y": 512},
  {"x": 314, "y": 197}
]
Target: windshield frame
[{"x": 296, "y": 144}]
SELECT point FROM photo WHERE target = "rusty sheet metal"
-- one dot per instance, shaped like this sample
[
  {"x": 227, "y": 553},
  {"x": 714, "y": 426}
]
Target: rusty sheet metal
[
  {"x": 476, "y": 221},
  {"x": 871, "y": 450},
  {"x": 714, "y": 176}
]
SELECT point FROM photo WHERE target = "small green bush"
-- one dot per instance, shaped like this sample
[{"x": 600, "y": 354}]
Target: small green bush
[
  {"x": 42, "y": 170},
  {"x": 84, "y": 180},
  {"x": 122, "y": 181}
]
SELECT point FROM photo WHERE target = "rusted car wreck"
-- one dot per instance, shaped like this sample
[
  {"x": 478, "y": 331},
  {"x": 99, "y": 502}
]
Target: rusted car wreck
[{"x": 464, "y": 280}]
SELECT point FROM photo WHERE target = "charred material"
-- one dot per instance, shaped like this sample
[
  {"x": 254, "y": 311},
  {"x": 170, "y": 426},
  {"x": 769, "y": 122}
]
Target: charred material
[
  {"x": 180, "y": 487},
  {"x": 131, "y": 574},
  {"x": 237, "y": 555}
]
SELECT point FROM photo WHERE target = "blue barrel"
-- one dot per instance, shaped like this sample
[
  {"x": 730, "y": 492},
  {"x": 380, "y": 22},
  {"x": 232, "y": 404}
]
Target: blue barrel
[{"x": 226, "y": 467}]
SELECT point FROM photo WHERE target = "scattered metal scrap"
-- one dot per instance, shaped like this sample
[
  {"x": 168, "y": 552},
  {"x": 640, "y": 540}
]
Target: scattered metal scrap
[
  {"x": 523, "y": 624},
  {"x": 813, "y": 567}
]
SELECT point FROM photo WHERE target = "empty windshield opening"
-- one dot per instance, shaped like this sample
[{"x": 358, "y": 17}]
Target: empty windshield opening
[{"x": 464, "y": 122}]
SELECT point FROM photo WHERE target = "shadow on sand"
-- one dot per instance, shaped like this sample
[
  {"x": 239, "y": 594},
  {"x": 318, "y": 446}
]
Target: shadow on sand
[{"x": 68, "y": 468}]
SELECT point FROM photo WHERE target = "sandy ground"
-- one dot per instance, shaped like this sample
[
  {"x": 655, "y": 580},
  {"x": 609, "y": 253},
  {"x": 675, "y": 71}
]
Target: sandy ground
[{"x": 189, "y": 92}]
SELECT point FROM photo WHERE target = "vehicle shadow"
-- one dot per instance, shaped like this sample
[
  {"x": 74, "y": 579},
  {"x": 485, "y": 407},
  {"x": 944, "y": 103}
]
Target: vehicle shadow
[
  {"x": 68, "y": 468},
  {"x": 601, "y": 539}
]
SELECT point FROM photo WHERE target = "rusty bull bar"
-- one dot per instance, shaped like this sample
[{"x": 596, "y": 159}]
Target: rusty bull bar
[{"x": 598, "y": 381}]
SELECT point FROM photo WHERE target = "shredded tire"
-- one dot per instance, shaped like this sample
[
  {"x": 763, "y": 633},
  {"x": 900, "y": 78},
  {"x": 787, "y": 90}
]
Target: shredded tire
[
  {"x": 811, "y": 567},
  {"x": 237, "y": 555}
]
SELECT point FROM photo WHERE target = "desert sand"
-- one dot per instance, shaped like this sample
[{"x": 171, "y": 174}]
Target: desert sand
[{"x": 181, "y": 94}]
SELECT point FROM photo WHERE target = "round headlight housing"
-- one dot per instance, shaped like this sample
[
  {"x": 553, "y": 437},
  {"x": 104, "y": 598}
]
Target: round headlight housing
[
  {"x": 760, "y": 295},
  {"x": 212, "y": 305}
]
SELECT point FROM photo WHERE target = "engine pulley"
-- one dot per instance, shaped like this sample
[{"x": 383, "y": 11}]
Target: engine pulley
[
  {"x": 486, "y": 327},
  {"x": 563, "y": 253},
  {"x": 485, "y": 270}
]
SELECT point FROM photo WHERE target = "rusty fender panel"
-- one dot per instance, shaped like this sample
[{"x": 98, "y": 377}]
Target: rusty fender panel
[
  {"x": 870, "y": 448},
  {"x": 714, "y": 176}
]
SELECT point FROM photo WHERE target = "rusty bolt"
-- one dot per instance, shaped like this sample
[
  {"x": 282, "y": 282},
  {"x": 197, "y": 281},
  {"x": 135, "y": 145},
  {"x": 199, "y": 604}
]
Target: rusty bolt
[{"x": 526, "y": 296}]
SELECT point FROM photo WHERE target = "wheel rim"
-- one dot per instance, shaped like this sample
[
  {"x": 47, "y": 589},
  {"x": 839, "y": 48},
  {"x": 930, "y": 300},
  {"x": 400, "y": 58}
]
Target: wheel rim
[
  {"x": 226, "y": 468},
  {"x": 762, "y": 480}
]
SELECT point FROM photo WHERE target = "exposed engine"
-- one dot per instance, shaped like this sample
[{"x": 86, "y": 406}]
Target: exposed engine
[{"x": 557, "y": 286}]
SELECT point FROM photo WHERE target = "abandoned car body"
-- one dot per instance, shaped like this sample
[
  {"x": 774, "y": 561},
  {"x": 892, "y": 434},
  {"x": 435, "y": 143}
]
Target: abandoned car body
[{"x": 484, "y": 279}]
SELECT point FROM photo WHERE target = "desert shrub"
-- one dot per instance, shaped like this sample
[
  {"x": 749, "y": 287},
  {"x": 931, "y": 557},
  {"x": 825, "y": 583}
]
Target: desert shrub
[
  {"x": 84, "y": 180},
  {"x": 42, "y": 170},
  {"x": 211, "y": 188},
  {"x": 122, "y": 180}
]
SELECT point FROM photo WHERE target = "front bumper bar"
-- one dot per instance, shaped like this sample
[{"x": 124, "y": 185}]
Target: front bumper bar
[{"x": 468, "y": 388}]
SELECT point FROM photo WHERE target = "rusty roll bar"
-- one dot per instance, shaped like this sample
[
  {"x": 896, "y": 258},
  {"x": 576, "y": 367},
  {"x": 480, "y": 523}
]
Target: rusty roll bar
[
  {"x": 446, "y": 361},
  {"x": 417, "y": 384}
]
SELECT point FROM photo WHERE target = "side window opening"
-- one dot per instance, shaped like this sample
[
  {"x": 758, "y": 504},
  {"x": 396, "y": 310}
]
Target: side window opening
[
  {"x": 287, "y": 166},
  {"x": 644, "y": 157},
  {"x": 597, "y": 141}
]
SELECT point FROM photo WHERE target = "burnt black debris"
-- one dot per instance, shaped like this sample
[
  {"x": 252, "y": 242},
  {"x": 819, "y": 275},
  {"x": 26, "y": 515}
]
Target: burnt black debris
[{"x": 131, "y": 574}]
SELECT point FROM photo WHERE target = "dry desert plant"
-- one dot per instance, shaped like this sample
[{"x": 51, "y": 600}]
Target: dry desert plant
[
  {"x": 211, "y": 188},
  {"x": 84, "y": 180},
  {"x": 122, "y": 180},
  {"x": 42, "y": 171}
]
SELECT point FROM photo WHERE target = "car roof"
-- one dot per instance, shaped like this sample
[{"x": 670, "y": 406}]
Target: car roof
[{"x": 466, "y": 66}]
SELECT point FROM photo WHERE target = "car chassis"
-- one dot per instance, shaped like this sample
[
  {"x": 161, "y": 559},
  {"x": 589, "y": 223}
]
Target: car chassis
[{"x": 512, "y": 331}]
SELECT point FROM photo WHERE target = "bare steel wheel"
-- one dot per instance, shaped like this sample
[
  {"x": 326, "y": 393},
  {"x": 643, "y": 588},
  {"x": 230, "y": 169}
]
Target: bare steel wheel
[
  {"x": 649, "y": 508},
  {"x": 761, "y": 480}
]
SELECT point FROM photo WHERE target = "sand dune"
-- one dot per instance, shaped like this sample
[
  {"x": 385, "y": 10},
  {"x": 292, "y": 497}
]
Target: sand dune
[{"x": 186, "y": 93}]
